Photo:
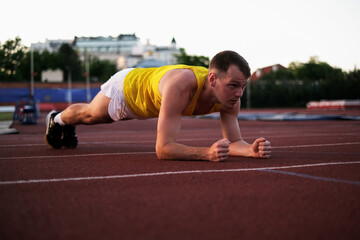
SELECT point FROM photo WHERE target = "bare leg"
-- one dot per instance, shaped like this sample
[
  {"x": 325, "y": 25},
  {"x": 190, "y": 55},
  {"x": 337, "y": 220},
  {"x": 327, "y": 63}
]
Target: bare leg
[{"x": 93, "y": 113}]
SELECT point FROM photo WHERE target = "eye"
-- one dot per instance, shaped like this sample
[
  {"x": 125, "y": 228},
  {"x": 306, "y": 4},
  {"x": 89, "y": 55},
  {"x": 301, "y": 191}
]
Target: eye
[{"x": 233, "y": 86}]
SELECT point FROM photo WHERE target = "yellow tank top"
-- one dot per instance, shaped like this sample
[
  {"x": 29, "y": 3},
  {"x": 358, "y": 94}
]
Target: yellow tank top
[{"x": 141, "y": 90}]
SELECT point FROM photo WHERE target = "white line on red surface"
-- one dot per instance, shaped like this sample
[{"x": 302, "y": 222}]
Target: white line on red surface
[{"x": 171, "y": 173}]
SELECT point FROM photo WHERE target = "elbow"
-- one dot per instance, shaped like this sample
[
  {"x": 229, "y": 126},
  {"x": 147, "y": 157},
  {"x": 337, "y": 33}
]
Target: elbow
[
  {"x": 160, "y": 155},
  {"x": 160, "y": 152}
]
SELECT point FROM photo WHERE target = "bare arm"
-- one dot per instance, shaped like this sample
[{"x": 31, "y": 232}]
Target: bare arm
[
  {"x": 238, "y": 147},
  {"x": 175, "y": 98}
]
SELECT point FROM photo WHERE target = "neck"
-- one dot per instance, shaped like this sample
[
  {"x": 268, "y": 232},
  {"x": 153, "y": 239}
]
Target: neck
[{"x": 207, "y": 94}]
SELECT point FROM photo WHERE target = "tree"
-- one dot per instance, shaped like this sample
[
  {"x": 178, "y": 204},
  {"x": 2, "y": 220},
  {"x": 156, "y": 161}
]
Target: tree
[
  {"x": 353, "y": 84},
  {"x": 69, "y": 62},
  {"x": 24, "y": 73},
  {"x": 66, "y": 59},
  {"x": 49, "y": 60},
  {"x": 323, "y": 81},
  {"x": 12, "y": 53},
  {"x": 101, "y": 70},
  {"x": 304, "y": 82},
  {"x": 193, "y": 60}
]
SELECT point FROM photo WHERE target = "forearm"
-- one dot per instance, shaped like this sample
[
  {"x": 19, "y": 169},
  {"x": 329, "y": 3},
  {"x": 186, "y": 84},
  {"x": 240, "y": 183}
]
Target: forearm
[
  {"x": 240, "y": 148},
  {"x": 172, "y": 151}
]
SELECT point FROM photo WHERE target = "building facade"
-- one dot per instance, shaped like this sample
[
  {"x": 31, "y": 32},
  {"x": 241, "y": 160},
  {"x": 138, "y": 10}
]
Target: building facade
[
  {"x": 125, "y": 50},
  {"x": 266, "y": 70},
  {"x": 49, "y": 45},
  {"x": 107, "y": 48}
]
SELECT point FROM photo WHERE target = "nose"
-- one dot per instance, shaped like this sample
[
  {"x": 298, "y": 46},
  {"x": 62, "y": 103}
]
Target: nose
[{"x": 239, "y": 92}]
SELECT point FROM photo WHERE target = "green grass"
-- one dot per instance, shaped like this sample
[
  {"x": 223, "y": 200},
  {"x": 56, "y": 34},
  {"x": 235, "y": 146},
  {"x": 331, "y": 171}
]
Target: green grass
[{"x": 6, "y": 116}]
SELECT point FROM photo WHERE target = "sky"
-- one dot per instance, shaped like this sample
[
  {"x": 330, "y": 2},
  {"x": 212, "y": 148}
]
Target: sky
[{"x": 264, "y": 32}]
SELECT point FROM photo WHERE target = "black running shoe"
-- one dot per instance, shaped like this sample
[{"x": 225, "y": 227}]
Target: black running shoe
[
  {"x": 69, "y": 139},
  {"x": 53, "y": 131}
]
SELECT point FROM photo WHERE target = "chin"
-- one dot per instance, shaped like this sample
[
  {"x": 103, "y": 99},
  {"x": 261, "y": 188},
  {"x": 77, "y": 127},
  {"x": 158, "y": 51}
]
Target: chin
[{"x": 230, "y": 107}]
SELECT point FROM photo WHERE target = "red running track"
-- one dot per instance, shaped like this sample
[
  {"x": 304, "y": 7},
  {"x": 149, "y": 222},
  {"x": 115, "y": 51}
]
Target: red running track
[{"x": 113, "y": 187}]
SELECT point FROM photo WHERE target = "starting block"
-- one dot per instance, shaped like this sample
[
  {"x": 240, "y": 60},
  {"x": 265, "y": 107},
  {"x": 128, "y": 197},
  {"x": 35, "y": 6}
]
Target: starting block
[{"x": 26, "y": 113}]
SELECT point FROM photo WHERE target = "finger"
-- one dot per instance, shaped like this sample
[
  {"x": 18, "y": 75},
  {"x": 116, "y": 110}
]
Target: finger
[
  {"x": 219, "y": 159},
  {"x": 264, "y": 148},
  {"x": 220, "y": 154},
  {"x": 223, "y": 149},
  {"x": 222, "y": 146},
  {"x": 223, "y": 143},
  {"x": 265, "y": 154},
  {"x": 223, "y": 154},
  {"x": 258, "y": 141},
  {"x": 223, "y": 157},
  {"x": 265, "y": 143}
]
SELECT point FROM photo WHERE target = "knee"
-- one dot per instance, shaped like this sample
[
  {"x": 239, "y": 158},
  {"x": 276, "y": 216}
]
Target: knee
[
  {"x": 85, "y": 114},
  {"x": 87, "y": 118},
  {"x": 80, "y": 113},
  {"x": 91, "y": 116}
]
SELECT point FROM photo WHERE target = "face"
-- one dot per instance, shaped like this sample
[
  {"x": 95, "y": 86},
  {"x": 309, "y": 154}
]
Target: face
[{"x": 229, "y": 87}]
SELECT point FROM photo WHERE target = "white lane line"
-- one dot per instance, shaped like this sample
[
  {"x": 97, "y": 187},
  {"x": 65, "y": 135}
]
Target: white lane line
[
  {"x": 170, "y": 173},
  {"x": 313, "y": 177},
  {"x": 133, "y": 153},
  {"x": 77, "y": 155},
  {"x": 81, "y": 143},
  {"x": 317, "y": 145},
  {"x": 6, "y": 145},
  {"x": 317, "y": 152},
  {"x": 110, "y": 142}
]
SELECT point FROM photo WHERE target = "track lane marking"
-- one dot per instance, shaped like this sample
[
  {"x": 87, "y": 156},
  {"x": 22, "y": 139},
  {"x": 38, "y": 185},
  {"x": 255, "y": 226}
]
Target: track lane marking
[
  {"x": 77, "y": 155},
  {"x": 170, "y": 173},
  {"x": 185, "y": 140},
  {"x": 133, "y": 153},
  {"x": 152, "y": 152},
  {"x": 312, "y": 177},
  {"x": 317, "y": 145}
]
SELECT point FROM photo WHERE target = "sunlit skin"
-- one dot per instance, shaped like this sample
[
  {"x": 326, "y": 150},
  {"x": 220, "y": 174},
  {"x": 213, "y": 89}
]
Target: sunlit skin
[
  {"x": 177, "y": 88},
  {"x": 225, "y": 88},
  {"x": 231, "y": 86}
]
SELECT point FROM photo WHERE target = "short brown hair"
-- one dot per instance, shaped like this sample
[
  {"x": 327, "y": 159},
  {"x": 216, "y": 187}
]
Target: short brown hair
[{"x": 224, "y": 59}]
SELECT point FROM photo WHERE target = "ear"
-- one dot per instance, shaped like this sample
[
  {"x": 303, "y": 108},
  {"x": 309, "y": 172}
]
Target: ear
[{"x": 212, "y": 79}]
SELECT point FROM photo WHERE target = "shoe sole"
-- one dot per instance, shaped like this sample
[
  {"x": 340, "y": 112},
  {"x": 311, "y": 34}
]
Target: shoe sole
[
  {"x": 47, "y": 128},
  {"x": 46, "y": 141},
  {"x": 72, "y": 136}
]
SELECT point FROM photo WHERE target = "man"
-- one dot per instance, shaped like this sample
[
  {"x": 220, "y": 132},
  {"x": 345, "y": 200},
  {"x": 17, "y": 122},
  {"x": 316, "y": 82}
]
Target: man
[{"x": 168, "y": 93}]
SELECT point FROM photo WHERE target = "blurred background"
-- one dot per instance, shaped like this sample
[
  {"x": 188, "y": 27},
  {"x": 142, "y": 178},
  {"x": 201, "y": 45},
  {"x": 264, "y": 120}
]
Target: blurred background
[{"x": 59, "y": 52}]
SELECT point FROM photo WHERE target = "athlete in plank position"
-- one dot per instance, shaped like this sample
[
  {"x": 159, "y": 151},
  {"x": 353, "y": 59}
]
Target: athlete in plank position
[{"x": 168, "y": 93}]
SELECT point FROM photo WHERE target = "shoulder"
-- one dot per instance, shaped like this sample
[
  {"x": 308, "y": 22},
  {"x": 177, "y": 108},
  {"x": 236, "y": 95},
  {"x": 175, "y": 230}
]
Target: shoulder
[
  {"x": 179, "y": 79},
  {"x": 180, "y": 75}
]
